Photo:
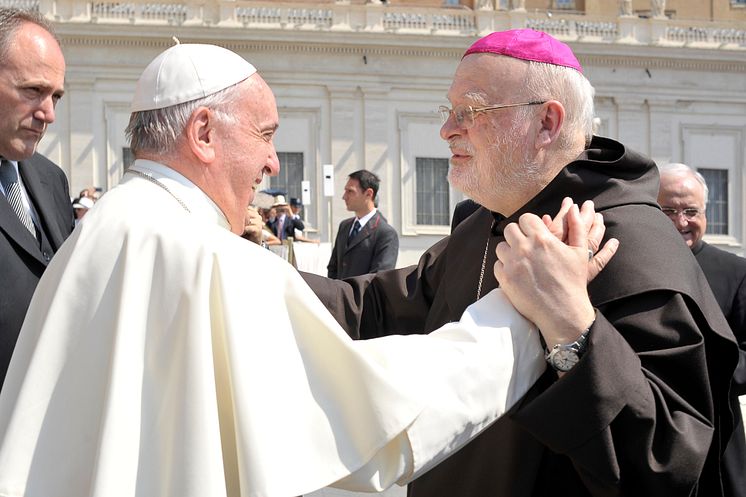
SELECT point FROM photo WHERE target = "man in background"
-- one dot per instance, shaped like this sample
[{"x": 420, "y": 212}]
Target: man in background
[
  {"x": 365, "y": 243},
  {"x": 296, "y": 206},
  {"x": 81, "y": 206},
  {"x": 683, "y": 198},
  {"x": 35, "y": 210},
  {"x": 284, "y": 225}
]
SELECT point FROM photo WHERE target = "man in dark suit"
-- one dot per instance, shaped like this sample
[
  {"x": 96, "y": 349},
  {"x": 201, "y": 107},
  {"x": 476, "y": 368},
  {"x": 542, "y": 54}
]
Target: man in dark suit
[
  {"x": 35, "y": 209},
  {"x": 365, "y": 243},
  {"x": 683, "y": 198}
]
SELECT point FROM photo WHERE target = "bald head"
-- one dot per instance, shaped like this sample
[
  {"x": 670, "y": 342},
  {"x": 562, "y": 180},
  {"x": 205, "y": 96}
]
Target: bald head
[
  {"x": 11, "y": 19},
  {"x": 683, "y": 198}
]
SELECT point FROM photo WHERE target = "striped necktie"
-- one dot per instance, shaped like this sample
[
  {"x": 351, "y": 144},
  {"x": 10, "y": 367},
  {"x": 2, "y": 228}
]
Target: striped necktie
[{"x": 9, "y": 180}]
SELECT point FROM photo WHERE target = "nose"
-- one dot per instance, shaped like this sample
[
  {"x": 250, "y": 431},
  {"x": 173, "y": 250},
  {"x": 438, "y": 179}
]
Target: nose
[
  {"x": 272, "y": 168},
  {"x": 680, "y": 220},
  {"x": 45, "y": 111},
  {"x": 449, "y": 128}
]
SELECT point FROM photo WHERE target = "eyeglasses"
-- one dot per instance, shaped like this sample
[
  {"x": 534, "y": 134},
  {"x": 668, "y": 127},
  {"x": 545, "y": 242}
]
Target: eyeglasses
[
  {"x": 465, "y": 114},
  {"x": 689, "y": 212}
]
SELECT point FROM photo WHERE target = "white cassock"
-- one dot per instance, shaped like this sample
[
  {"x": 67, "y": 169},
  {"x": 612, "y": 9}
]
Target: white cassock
[{"x": 164, "y": 356}]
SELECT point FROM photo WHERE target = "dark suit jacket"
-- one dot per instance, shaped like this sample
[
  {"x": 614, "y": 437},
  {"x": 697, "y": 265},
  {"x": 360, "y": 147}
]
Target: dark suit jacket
[
  {"x": 291, "y": 224},
  {"x": 22, "y": 258},
  {"x": 375, "y": 248},
  {"x": 726, "y": 274}
]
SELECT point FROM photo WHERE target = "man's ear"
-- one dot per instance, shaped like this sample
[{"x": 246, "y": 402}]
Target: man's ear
[
  {"x": 201, "y": 134},
  {"x": 552, "y": 117}
]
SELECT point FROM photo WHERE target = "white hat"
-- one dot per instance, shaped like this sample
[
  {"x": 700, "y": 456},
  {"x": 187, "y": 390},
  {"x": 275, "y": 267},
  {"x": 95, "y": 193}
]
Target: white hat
[
  {"x": 83, "y": 203},
  {"x": 279, "y": 200},
  {"x": 186, "y": 72}
]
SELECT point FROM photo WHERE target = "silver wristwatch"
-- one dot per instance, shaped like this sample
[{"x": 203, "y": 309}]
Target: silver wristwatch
[{"x": 564, "y": 356}]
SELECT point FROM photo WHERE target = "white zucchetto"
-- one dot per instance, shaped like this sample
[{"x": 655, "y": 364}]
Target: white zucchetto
[{"x": 186, "y": 72}]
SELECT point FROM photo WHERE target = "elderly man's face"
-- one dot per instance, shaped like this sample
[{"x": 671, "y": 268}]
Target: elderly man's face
[
  {"x": 681, "y": 195},
  {"x": 31, "y": 82},
  {"x": 491, "y": 159},
  {"x": 249, "y": 152}
]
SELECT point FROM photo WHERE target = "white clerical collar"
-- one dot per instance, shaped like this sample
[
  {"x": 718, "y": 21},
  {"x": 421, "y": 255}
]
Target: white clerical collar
[
  {"x": 367, "y": 217},
  {"x": 184, "y": 191}
]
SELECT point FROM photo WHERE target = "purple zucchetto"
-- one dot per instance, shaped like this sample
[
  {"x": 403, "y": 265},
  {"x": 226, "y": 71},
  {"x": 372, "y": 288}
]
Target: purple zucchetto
[{"x": 527, "y": 44}]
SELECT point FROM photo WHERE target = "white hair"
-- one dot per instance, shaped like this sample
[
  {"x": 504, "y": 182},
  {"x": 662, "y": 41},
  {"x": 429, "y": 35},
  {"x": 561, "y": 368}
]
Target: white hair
[
  {"x": 677, "y": 168},
  {"x": 568, "y": 86},
  {"x": 158, "y": 130}
]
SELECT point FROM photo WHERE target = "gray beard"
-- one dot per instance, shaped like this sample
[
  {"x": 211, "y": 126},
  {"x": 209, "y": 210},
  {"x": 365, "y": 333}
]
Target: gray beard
[{"x": 502, "y": 178}]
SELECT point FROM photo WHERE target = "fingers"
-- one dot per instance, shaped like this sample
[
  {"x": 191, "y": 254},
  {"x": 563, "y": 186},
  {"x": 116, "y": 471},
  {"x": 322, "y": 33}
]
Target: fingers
[
  {"x": 557, "y": 226},
  {"x": 576, "y": 228},
  {"x": 602, "y": 258},
  {"x": 587, "y": 212},
  {"x": 547, "y": 219},
  {"x": 596, "y": 233}
]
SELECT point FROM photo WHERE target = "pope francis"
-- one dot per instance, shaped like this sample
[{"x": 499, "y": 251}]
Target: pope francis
[{"x": 150, "y": 365}]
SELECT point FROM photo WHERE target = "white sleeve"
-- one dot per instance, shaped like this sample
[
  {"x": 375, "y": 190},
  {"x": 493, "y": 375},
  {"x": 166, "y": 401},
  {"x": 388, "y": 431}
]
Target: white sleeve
[{"x": 469, "y": 372}]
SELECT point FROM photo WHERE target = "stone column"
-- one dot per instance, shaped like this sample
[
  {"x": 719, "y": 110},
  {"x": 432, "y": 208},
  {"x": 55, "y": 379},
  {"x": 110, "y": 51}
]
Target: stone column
[
  {"x": 82, "y": 167},
  {"x": 633, "y": 122},
  {"x": 661, "y": 129},
  {"x": 658, "y": 8},
  {"x": 378, "y": 124},
  {"x": 625, "y": 7},
  {"x": 348, "y": 141},
  {"x": 519, "y": 5}
]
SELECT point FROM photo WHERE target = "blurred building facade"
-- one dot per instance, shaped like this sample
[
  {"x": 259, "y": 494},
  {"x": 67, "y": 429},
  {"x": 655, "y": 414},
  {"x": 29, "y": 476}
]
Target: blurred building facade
[{"x": 358, "y": 83}]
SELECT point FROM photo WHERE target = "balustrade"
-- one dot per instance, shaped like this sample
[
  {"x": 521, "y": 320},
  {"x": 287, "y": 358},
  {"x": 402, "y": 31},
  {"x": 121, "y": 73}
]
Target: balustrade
[{"x": 401, "y": 20}]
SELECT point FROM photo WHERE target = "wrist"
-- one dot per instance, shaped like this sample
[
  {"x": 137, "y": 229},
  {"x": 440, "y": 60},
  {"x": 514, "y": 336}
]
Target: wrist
[
  {"x": 566, "y": 327},
  {"x": 562, "y": 357}
]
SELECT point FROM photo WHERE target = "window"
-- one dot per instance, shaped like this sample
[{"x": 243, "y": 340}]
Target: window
[
  {"x": 127, "y": 158},
  {"x": 291, "y": 174},
  {"x": 564, "y": 4},
  {"x": 738, "y": 2},
  {"x": 433, "y": 203},
  {"x": 451, "y": 2},
  {"x": 717, "y": 200}
]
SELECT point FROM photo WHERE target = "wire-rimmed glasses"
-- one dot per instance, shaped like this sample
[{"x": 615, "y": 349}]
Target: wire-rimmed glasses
[
  {"x": 689, "y": 212},
  {"x": 465, "y": 114}
]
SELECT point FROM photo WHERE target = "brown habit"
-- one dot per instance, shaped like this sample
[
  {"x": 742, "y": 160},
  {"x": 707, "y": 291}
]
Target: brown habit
[{"x": 645, "y": 412}]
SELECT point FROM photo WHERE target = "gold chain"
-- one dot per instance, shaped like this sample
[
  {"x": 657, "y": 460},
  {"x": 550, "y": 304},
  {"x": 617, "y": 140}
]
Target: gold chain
[{"x": 484, "y": 260}]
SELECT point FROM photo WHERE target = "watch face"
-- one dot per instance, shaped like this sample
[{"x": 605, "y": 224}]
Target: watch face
[{"x": 565, "y": 359}]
